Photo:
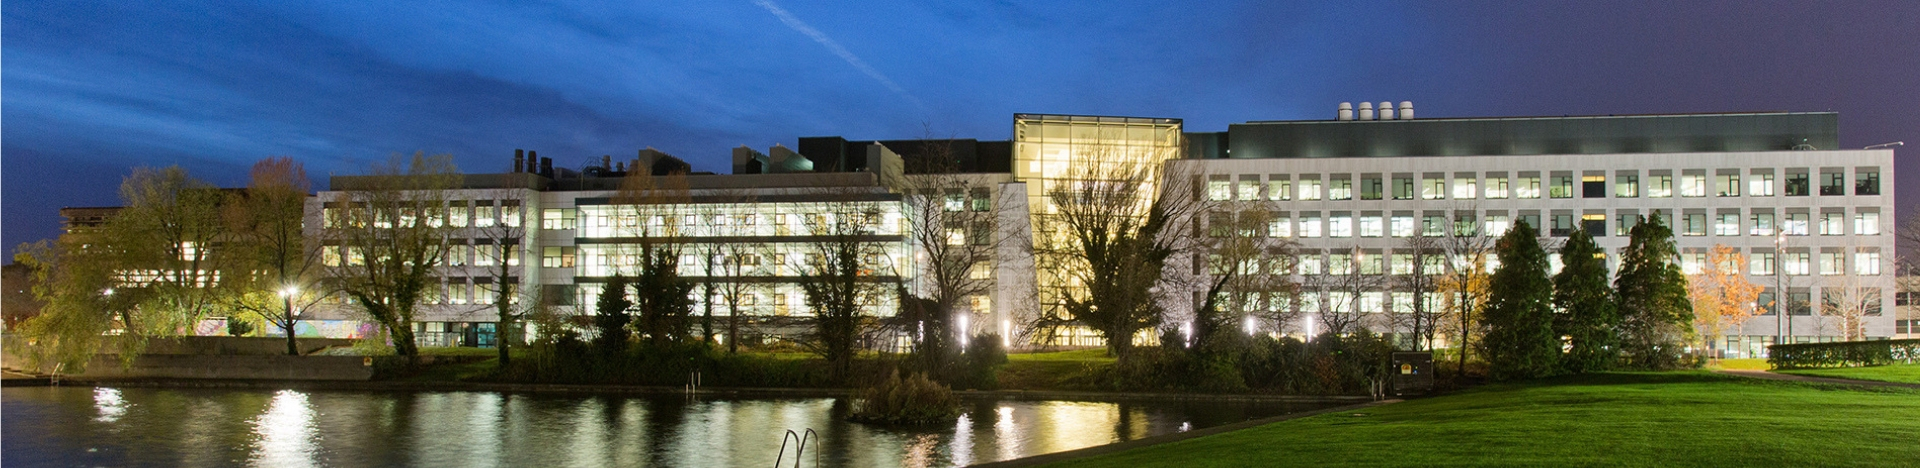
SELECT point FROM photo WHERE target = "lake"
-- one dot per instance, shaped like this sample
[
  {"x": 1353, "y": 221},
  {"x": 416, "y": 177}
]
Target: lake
[{"x": 88, "y": 426}]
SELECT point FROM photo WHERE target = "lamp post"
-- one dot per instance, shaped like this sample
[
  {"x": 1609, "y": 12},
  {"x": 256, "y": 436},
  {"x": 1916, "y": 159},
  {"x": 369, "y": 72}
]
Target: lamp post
[
  {"x": 1782, "y": 321},
  {"x": 286, "y": 301}
]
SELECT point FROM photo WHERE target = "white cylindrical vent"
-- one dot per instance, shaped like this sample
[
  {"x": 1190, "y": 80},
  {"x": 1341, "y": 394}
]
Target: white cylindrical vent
[
  {"x": 1386, "y": 110},
  {"x": 1346, "y": 111},
  {"x": 1406, "y": 110},
  {"x": 1366, "y": 111}
]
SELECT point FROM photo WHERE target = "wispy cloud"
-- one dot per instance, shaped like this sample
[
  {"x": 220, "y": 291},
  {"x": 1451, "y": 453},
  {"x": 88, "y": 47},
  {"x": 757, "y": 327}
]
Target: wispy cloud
[{"x": 834, "y": 46}]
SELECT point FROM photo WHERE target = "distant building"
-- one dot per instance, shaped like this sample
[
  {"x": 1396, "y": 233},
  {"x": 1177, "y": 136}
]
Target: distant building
[{"x": 1814, "y": 220}]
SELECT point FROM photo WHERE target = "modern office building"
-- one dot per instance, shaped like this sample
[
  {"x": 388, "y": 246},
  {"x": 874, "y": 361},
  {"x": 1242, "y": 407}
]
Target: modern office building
[{"x": 1341, "y": 196}]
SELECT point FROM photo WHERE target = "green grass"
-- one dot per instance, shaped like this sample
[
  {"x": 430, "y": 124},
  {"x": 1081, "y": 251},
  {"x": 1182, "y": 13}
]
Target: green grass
[
  {"x": 1625, "y": 419},
  {"x": 1061, "y": 370},
  {"x": 1901, "y": 373}
]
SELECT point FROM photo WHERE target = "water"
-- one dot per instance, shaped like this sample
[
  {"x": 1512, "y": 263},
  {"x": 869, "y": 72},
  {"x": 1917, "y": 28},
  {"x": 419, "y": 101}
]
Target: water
[{"x": 83, "y": 426}]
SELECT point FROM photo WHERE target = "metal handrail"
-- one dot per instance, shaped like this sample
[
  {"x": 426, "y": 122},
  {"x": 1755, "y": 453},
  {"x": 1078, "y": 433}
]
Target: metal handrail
[{"x": 799, "y": 448}]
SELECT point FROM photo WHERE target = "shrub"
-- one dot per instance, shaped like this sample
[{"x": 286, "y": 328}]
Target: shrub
[
  {"x": 915, "y": 400},
  {"x": 1844, "y": 354}
]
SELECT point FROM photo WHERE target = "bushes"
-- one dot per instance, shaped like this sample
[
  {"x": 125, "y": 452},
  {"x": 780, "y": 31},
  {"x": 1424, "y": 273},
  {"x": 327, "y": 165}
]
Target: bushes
[
  {"x": 915, "y": 400},
  {"x": 1844, "y": 354},
  {"x": 1330, "y": 364}
]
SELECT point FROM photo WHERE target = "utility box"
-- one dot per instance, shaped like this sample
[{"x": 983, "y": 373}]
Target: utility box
[{"x": 1412, "y": 372}]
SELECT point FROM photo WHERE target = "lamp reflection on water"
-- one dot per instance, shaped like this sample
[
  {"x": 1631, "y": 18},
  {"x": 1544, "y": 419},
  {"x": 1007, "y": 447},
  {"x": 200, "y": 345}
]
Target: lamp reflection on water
[
  {"x": 108, "y": 402},
  {"x": 284, "y": 434}
]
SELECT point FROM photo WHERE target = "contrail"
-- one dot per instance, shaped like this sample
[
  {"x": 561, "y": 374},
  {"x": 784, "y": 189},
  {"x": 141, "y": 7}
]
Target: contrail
[{"x": 835, "y": 47}]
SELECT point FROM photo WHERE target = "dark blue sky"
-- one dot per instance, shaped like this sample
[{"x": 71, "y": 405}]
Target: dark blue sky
[{"x": 93, "y": 90}]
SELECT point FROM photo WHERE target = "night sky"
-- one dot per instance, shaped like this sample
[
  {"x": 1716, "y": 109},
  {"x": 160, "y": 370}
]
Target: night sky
[{"x": 93, "y": 90}]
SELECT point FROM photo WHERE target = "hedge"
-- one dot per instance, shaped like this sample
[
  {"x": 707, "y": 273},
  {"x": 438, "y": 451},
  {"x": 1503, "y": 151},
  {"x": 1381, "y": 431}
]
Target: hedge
[{"x": 1844, "y": 354}]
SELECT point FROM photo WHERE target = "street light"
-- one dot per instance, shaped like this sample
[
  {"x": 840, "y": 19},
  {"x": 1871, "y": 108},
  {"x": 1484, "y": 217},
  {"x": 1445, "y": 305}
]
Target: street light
[
  {"x": 286, "y": 300},
  {"x": 1782, "y": 322}
]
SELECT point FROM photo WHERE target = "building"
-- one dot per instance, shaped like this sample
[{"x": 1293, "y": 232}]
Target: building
[{"x": 1345, "y": 195}]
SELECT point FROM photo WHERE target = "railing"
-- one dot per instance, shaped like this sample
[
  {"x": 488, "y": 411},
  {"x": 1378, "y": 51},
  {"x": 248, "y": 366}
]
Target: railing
[{"x": 799, "y": 448}]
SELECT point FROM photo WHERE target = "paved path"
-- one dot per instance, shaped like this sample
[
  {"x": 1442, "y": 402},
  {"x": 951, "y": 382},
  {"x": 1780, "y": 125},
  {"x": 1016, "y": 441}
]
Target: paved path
[{"x": 1757, "y": 374}]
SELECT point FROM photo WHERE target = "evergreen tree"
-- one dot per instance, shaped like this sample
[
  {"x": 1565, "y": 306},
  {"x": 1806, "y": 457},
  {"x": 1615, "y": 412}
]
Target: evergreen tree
[
  {"x": 612, "y": 316},
  {"x": 1520, "y": 340},
  {"x": 1651, "y": 294},
  {"x": 1587, "y": 313},
  {"x": 666, "y": 304}
]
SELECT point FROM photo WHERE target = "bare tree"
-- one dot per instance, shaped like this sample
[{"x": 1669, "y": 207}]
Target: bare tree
[
  {"x": 498, "y": 244},
  {"x": 268, "y": 237},
  {"x": 1105, "y": 239},
  {"x": 391, "y": 235},
  {"x": 845, "y": 271},
  {"x": 1419, "y": 277},
  {"x": 1247, "y": 278},
  {"x": 952, "y": 225},
  {"x": 1465, "y": 283}
]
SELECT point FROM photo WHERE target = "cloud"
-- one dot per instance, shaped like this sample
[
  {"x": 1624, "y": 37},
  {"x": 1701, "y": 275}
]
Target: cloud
[{"x": 834, "y": 46}]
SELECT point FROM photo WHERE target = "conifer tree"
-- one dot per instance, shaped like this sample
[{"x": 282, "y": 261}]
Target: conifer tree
[
  {"x": 1585, "y": 300},
  {"x": 612, "y": 316},
  {"x": 1520, "y": 340},
  {"x": 1651, "y": 294}
]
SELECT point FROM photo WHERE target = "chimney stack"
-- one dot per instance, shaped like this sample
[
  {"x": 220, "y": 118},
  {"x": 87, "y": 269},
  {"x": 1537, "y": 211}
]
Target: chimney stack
[
  {"x": 1345, "y": 112},
  {"x": 546, "y": 167},
  {"x": 1366, "y": 111}
]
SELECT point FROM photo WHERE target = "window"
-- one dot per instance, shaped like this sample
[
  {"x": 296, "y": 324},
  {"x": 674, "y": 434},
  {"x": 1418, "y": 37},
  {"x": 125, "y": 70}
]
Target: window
[
  {"x": 1832, "y": 182},
  {"x": 1760, "y": 264},
  {"x": 1372, "y": 226},
  {"x": 1799, "y": 303},
  {"x": 1280, "y": 227},
  {"x": 1218, "y": 189},
  {"x": 1310, "y": 264},
  {"x": 1695, "y": 224},
  {"x": 562, "y": 218},
  {"x": 1401, "y": 226},
  {"x": 1593, "y": 186},
  {"x": 982, "y": 200},
  {"x": 1249, "y": 188},
  {"x": 1497, "y": 225},
  {"x": 558, "y": 257},
  {"x": 1727, "y": 185},
  {"x": 1870, "y": 301},
  {"x": 1339, "y": 225},
  {"x": 1726, "y": 224},
  {"x": 1561, "y": 186},
  {"x": 1760, "y": 184},
  {"x": 1497, "y": 187},
  {"x": 1401, "y": 264},
  {"x": 1562, "y": 225},
  {"x": 1765, "y": 301},
  {"x": 1796, "y": 263},
  {"x": 1310, "y": 189},
  {"x": 1866, "y": 181},
  {"x": 1866, "y": 223},
  {"x": 1433, "y": 226},
  {"x": 1433, "y": 188},
  {"x": 1624, "y": 222},
  {"x": 1369, "y": 263},
  {"x": 1310, "y": 226},
  {"x": 1403, "y": 187},
  {"x": 1594, "y": 223},
  {"x": 1660, "y": 186},
  {"x": 1526, "y": 187},
  {"x": 1866, "y": 263},
  {"x": 1219, "y": 224},
  {"x": 1798, "y": 184},
  {"x": 1762, "y": 224},
  {"x": 1693, "y": 263},
  {"x": 1340, "y": 188},
  {"x": 1626, "y": 186},
  {"x": 1279, "y": 190},
  {"x": 1339, "y": 264},
  {"x": 1833, "y": 223},
  {"x": 1371, "y": 187},
  {"x": 1796, "y": 224},
  {"x": 1693, "y": 185},
  {"x": 1464, "y": 187},
  {"x": 1833, "y": 263},
  {"x": 1463, "y": 225}
]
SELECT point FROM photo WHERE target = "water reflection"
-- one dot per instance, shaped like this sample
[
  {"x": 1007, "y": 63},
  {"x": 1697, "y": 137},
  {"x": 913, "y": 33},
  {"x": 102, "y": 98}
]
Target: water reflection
[
  {"x": 286, "y": 432},
  {"x": 166, "y": 427}
]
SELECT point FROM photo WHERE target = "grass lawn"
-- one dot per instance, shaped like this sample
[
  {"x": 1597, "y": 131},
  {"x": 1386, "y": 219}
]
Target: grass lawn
[
  {"x": 1625, "y": 419},
  {"x": 1902, "y": 373},
  {"x": 1740, "y": 364},
  {"x": 1061, "y": 370}
]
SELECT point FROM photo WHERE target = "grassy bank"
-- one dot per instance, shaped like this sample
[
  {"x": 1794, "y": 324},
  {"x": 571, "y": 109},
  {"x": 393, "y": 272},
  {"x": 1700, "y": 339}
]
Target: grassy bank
[
  {"x": 1627, "y": 419},
  {"x": 1903, "y": 373}
]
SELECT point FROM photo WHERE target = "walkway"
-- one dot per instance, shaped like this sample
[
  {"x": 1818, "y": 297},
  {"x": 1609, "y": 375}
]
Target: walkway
[{"x": 1758, "y": 374}]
